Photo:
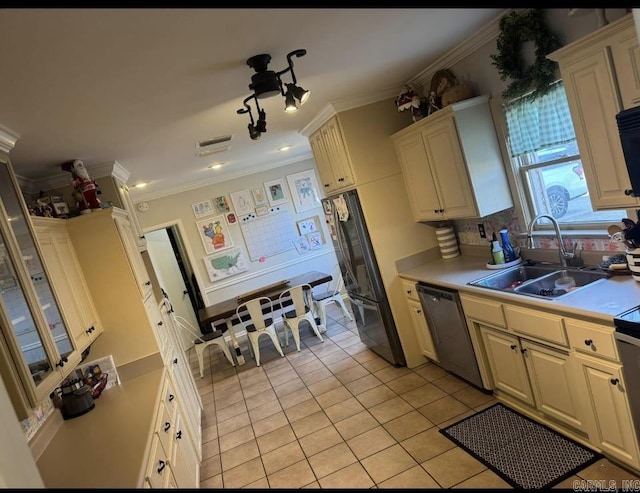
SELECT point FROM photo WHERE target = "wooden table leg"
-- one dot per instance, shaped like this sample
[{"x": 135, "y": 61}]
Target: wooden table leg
[{"x": 234, "y": 341}]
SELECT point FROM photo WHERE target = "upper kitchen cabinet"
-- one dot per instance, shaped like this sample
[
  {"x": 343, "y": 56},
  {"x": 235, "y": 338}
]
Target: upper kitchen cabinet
[
  {"x": 120, "y": 177},
  {"x": 344, "y": 151},
  {"x": 601, "y": 77},
  {"x": 452, "y": 164},
  {"x": 37, "y": 350}
]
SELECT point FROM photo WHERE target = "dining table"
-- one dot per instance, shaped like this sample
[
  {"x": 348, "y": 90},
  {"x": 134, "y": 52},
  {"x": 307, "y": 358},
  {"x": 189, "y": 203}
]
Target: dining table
[{"x": 225, "y": 311}]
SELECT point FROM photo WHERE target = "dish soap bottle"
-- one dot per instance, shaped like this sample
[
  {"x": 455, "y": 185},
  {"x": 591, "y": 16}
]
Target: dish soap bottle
[
  {"x": 508, "y": 250},
  {"x": 497, "y": 253}
]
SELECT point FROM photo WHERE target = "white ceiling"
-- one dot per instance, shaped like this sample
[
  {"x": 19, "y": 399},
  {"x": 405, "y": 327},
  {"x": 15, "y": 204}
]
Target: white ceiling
[{"x": 141, "y": 87}]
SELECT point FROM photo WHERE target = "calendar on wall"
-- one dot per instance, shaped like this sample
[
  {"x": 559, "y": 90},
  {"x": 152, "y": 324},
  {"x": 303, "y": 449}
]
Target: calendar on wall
[{"x": 269, "y": 232}]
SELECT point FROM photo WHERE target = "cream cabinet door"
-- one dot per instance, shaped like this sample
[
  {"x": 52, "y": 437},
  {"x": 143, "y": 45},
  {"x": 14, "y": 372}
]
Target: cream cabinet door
[
  {"x": 507, "y": 366},
  {"x": 448, "y": 169},
  {"x": 594, "y": 102},
  {"x": 418, "y": 179},
  {"x": 626, "y": 59},
  {"x": 422, "y": 330},
  {"x": 133, "y": 255},
  {"x": 603, "y": 391},
  {"x": 321, "y": 157},
  {"x": 338, "y": 155},
  {"x": 184, "y": 461},
  {"x": 552, "y": 383}
]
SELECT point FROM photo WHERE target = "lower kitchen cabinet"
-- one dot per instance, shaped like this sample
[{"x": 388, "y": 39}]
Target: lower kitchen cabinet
[
  {"x": 419, "y": 320},
  {"x": 603, "y": 392},
  {"x": 507, "y": 365},
  {"x": 552, "y": 382}
]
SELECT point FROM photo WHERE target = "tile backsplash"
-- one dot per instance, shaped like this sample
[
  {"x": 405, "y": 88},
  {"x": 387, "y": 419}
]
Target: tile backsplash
[{"x": 467, "y": 232}]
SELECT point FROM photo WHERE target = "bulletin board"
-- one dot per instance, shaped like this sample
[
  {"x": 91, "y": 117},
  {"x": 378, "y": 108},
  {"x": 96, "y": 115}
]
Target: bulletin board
[{"x": 269, "y": 234}]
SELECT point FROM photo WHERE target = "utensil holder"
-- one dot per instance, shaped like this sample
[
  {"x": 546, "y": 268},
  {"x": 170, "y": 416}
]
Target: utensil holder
[
  {"x": 633, "y": 262},
  {"x": 447, "y": 242}
]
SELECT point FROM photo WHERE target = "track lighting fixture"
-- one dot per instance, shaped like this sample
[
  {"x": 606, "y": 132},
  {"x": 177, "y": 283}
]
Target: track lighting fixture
[{"x": 267, "y": 83}]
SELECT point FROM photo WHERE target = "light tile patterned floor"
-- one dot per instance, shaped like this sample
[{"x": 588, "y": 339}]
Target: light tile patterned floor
[{"x": 335, "y": 415}]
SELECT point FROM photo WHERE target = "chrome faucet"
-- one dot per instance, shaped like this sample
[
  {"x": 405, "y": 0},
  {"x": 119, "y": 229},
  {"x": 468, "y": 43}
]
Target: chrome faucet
[{"x": 564, "y": 255}]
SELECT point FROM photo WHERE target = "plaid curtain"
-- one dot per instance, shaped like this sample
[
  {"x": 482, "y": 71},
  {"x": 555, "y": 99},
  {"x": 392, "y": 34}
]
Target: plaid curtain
[{"x": 539, "y": 123}]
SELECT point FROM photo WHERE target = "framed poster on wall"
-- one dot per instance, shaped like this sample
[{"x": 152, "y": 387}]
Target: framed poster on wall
[{"x": 214, "y": 234}]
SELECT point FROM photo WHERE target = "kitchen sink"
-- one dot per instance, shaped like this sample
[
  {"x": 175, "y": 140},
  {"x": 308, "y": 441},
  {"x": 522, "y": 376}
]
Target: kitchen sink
[{"x": 539, "y": 280}]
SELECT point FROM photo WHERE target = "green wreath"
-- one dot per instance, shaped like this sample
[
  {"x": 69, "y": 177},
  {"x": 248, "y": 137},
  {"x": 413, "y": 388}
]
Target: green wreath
[{"x": 515, "y": 29}]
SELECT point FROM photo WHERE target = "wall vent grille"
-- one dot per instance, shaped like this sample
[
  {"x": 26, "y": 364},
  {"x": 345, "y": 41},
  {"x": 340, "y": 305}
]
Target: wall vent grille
[
  {"x": 208, "y": 152},
  {"x": 216, "y": 140}
]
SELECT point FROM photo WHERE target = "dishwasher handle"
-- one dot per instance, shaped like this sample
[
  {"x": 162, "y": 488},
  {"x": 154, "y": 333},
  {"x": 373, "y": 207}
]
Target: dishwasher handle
[{"x": 436, "y": 294}]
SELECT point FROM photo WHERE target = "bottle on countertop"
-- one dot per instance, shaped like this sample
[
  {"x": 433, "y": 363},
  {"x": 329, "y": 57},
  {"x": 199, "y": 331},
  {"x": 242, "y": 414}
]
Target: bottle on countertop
[
  {"x": 509, "y": 252},
  {"x": 497, "y": 253}
]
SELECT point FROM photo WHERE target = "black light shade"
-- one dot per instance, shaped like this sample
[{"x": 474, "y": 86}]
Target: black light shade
[{"x": 267, "y": 83}]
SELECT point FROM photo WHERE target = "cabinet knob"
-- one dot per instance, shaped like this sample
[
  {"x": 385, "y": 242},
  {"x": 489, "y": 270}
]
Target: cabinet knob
[
  {"x": 326, "y": 185},
  {"x": 179, "y": 435},
  {"x": 60, "y": 364},
  {"x": 435, "y": 210},
  {"x": 175, "y": 361},
  {"x": 441, "y": 210},
  {"x": 418, "y": 311},
  {"x": 628, "y": 192},
  {"x": 88, "y": 331},
  {"x": 160, "y": 323},
  {"x": 523, "y": 350},
  {"x": 171, "y": 397},
  {"x": 167, "y": 426},
  {"x": 614, "y": 381},
  {"x": 513, "y": 347},
  {"x": 409, "y": 291},
  {"x": 161, "y": 465},
  {"x": 148, "y": 283},
  {"x": 588, "y": 342},
  {"x": 340, "y": 179}
]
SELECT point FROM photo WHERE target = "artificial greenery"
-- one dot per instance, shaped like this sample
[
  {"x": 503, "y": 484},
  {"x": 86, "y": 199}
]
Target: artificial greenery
[{"x": 515, "y": 29}]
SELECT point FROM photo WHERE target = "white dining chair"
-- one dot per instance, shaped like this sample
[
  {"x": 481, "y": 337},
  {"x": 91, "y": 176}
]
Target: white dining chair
[
  {"x": 296, "y": 303},
  {"x": 203, "y": 341},
  {"x": 331, "y": 295},
  {"x": 256, "y": 322}
]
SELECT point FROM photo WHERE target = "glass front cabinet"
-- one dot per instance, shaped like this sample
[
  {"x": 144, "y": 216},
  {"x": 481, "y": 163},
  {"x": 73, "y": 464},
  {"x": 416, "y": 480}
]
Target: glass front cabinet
[{"x": 36, "y": 350}]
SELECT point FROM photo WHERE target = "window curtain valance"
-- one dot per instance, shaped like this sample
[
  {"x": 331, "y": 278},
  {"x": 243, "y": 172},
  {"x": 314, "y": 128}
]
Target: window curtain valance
[{"x": 535, "y": 124}]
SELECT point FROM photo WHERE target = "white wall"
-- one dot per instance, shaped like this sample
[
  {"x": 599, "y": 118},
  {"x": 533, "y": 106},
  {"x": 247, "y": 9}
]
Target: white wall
[{"x": 178, "y": 207}]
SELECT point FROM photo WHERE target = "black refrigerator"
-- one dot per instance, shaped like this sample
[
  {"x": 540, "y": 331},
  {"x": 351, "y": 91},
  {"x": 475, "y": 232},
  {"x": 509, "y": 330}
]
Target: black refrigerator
[{"x": 361, "y": 276}]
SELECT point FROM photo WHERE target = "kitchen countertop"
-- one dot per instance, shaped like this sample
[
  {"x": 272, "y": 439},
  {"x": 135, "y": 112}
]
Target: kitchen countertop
[
  {"x": 601, "y": 301},
  {"x": 105, "y": 448}
]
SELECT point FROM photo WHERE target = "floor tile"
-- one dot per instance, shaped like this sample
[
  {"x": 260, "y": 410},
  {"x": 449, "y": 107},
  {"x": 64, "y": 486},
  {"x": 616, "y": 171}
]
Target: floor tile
[
  {"x": 603, "y": 469},
  {"x": 374, "y": 364},
  {"x": 430, "y": 372},
  {"x": 353, "y": 476},
  {"x": 210, "y": 467},
  {"x": 387, "y": 463},
  {"x": 262, "y": 483},
  {"x": 214, "y": 482},
  {"x": 471, "y": 396},
  {"x": 391, "y": 409},
  {"x": 316, "y": 375},
  {"x": 265, "y": 410},
  {"x": 341, "y": 365},
  {"x": 320, "y": 440},
  {"x": 243, "y": 474},
  {"x": 370, "y": 442},
  {"x": 233, "y": 423},
  {"x": 452, "y": 467},
  {"x": 275, "y": 439},
  {"x": 352, "y": 373},
  {"x": 333, "y": 396},
  {"x": 288, "y": 387},
  {"x": 294, "y": 476},
  {"x": 239, "y": 455},
  {"x": 325, "y": 385},
  {"x": 331, "y": 460},
  {"x": 407, "y": 425},
  {"x": 416, "y": 477},
  {"x": 356, "y": 424},
  {"x": 260, "y": 398},
  {"x": 270, "y": 423},
  {"x": 301, "y": 410},
  {"x": 427, "y": 444},
  {"x": 309, "y": 424},
  {"x": 450, "y": 383},
  {"x": 295, "y": 397},
  {"x": 282, "y": 457},
  {"x": 210, "y": 448},
  {"x": 344, "y": 409},
  {"x": 363, "y": 384},
  {"x": 391, "y": 373},
  {"x": 443, "y": 409},
  {"x": 406, "y": 383},
  {"x": 236, "y": 438}
]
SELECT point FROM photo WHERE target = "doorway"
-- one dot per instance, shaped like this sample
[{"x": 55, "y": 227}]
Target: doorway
[{"x": 176, "y": 276}]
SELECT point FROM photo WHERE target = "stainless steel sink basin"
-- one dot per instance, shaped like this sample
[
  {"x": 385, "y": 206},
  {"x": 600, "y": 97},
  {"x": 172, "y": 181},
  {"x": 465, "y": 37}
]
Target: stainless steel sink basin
[
  {"x": 546, "y": 286},
  {"x": 538, "y": 280},
  {"x": 508, "y": 279}
]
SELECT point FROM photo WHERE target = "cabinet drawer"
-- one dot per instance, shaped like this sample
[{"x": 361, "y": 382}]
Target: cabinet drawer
[
  {"x": 593, "y": 339},
  {"x": 483, "y": 310},
  {"x": 164, "y": 428},
  {"x": 158, "y": 466},
  {"x": 538, "y": 324},
  {"x": 409, "y": 289}
]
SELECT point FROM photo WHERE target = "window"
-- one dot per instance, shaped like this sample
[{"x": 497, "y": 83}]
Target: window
[{"x": 545, "y": 154}]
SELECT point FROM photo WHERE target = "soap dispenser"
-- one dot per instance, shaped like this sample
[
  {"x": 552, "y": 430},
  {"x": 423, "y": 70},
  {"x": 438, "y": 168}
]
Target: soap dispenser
[{"x": 497, "y": 253}]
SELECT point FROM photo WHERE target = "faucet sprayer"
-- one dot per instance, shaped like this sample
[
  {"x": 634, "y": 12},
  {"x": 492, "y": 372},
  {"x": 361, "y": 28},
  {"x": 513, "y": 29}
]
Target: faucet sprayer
[{"x": 564, "y": 255}]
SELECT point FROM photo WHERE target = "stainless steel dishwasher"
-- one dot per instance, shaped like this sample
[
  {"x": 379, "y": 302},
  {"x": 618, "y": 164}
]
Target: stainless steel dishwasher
[
  {"x": 627, "y": 337},
  {"x": 449, "y": 332}
]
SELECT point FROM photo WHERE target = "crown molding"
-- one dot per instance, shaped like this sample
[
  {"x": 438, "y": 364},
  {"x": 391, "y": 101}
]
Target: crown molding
[
  {"x": 26, "y": 184},
  {"x": 139, "y": 195},
  {"x": 325, "y": 113},
  {"x": 461, "y": 51},
  {"x": 118, "y": 171},
  {"x": 8, "y": 139}
]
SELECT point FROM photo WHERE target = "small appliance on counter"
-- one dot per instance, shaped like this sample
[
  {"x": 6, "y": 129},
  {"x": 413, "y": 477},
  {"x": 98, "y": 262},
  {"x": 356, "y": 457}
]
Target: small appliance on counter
[{"x": 74, "y": 398}]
